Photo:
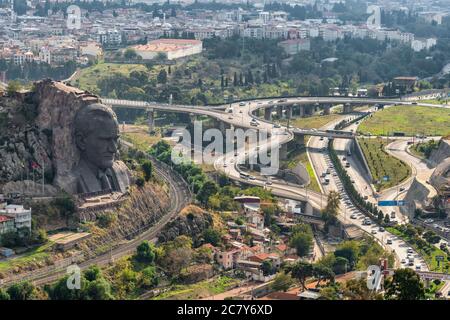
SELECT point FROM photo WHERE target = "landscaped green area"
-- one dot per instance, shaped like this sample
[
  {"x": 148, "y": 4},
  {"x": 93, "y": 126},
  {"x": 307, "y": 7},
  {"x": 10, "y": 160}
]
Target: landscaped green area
[
  {"x": 382, "y": 165},
  {"x": 299, "y": 155},
  {"x": 411, "y": 120},
  {"x": 424, "y": 149},
  {"x": 38, "y": 256},
  {"x": 199, "y": 290},
  {"x": 433, "y": 101},
  {"x": 425, "y": 249},
  {"x": 314, "y": 121}
]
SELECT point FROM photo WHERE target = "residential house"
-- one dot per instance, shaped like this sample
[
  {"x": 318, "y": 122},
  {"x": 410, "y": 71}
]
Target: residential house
[
  {"x": 21, "y": 216},
  {"x": 6, "y": 224}
]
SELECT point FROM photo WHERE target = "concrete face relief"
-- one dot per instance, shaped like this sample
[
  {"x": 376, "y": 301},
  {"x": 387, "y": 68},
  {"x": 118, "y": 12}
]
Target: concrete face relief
[{"x": 96, "y": 133}]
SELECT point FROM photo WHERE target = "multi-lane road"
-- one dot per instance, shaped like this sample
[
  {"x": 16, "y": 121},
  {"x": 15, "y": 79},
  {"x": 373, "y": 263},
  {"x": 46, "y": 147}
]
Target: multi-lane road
[{"x": 242, "y": 115}]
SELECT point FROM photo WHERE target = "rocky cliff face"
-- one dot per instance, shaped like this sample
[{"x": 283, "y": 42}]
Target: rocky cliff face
[
  {"x": 192, "y": 223},
  {"x": 36, "y": 130},
  {"x": 143, "y": 209},
  {"x": 441, "y": 153}
]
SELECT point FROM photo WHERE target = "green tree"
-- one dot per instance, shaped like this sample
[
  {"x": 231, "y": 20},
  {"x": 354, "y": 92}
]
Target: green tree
[
  {"x": 147, "y": 168},
  {"x": 322, "y": 273},
  {"x": 208, "y": 189},
  {"x": 162, "y": 76},
  {"x": 301, "y": 271},
  {"x": 92, "y": 273},
  {"x": 130, "y": 54},
  {"x": 405, "y": 284},
  {"x": 99, "y": 289},
  {"x": 267, "y": 267},
  {"x": 145, "y": 252},
  {"x": 13, "y": 87},
  {"x": 282, "y": 282},
  {"x": 149, "y": 278},
  {"x": 331, "y": 210},
  {"x": 21, "y": 291},
  {"x": 348, "y": 250},
  {"x": 356, "y": 289},
  {"x": 302, "y": 243},
  {"x": 4, "y": 295},
  {"x": 212, "y": 236}
]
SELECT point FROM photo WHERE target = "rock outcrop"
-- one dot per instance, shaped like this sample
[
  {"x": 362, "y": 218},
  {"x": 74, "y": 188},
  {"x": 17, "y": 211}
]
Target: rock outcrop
[
  {"x": 441, "y": 153},
  {"x": 36, "y": 132},
  {"x": 143, "y": 209},
  {"x": 191, "y": 224}
]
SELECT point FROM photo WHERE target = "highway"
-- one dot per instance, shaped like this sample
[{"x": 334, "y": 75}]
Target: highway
[
  {"x": 227, "y": 163},
  {"x": 349, "y": 213},
  {"x": 241, "y": 116}
]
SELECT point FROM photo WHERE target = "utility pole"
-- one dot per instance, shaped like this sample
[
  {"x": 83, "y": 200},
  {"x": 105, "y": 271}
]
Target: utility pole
[{"x": 43, "y": 177}]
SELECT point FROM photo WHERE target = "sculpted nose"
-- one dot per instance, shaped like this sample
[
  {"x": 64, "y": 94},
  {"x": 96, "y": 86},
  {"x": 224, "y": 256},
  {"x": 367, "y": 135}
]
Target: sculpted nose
[{"x": 112, "y": 146}]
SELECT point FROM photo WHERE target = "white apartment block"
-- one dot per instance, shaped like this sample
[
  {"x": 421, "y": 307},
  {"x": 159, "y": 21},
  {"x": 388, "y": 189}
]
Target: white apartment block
[
  {"x": 22, "y": 216},
  {"x": 424, "y": 44}
]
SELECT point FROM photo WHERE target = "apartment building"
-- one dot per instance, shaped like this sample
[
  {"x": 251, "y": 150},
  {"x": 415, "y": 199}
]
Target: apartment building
[{"x": 21, "y": 216}]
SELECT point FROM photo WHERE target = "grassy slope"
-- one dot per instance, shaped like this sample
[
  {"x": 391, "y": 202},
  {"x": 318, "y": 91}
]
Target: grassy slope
[
  {"x": 300, "y": 155},
  {"x": 198, "y": 290},
  {"x": 408, "y": 119},
  {"x": 36, "y": 255},
  {"x": 88, "y": 77},
  {"x": 199, "y": 67},
  {"x": 382, "y": 164}
]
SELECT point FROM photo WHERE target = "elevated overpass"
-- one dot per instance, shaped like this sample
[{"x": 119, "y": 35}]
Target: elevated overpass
[{"x": 217, "y": 112}]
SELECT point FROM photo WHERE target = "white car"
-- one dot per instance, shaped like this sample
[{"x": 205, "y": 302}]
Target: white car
[
  {"x": 418, "y": 267},
  {"x": 353, "y": 216}
]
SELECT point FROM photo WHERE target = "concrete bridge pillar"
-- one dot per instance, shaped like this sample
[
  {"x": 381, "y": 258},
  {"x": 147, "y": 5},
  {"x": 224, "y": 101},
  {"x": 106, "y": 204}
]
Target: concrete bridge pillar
[
  {"x": 268, "y": 114},
  {"x": 301, "y": 111},
  {"x": 283, "y": 151},
  {"x": 222, "y": 127},
  {"x": 289, "y": 112},
  {"x": 348, "y": 108},
  {"x": 279, "y": 112},
  {"x": 151, "y": 120},
  {"x": 316, "y": 107},
  {"x": 326, "y": 109},
  {"x": 299, "y": 139}
]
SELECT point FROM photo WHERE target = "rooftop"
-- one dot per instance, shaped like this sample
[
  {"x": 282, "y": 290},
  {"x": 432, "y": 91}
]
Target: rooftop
[
  {"x": 5, "y": 218},
  {"x": 164, "y": 45}
]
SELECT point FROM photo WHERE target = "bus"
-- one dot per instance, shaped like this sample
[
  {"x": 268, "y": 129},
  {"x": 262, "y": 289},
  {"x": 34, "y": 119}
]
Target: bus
[{"x": 244, "y": 175}]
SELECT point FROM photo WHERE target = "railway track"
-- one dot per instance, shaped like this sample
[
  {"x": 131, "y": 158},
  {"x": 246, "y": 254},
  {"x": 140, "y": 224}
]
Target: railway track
[{"x": 180, "y": 197}]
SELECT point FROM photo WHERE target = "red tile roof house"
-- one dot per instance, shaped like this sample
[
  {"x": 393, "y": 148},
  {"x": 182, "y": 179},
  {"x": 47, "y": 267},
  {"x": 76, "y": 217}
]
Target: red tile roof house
[
  {"x": 283, "y": 249},
  {"x": 273, "y": 257}
]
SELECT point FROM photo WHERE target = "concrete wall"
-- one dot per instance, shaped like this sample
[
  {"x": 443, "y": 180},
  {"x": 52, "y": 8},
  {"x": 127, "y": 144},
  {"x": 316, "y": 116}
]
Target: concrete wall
[
  {"x": 358, "y": 153},
  {"x": 441, "y": 153},
  {"x": 416, "y": 197},
  {"x": 297, "y": 175}
]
